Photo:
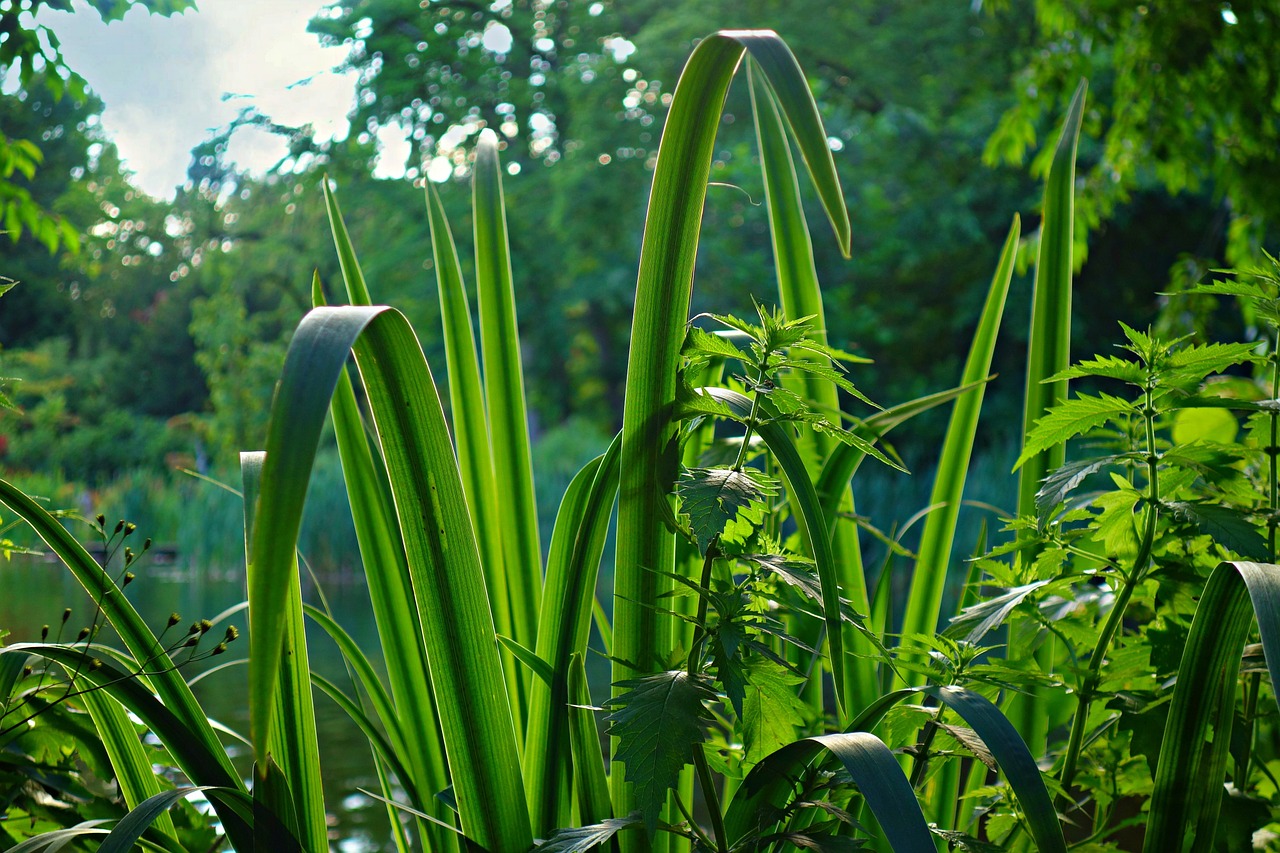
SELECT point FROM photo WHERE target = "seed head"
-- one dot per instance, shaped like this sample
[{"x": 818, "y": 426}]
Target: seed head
[
  {"x": 66, "y": 614},
  {"x": 146, "y": 545},
  {"x": 219, "y": 649},
  {"x": 174, "y": 619},
  {"x": 44, "y": 633},
  {"x": 119, "y": 526},
  {"x": 101, "y": 519},
  {"x": 192, "y": 641},
  {"x": 84, "y": 632},
  {"x": 128, "y": 578},
  {"x": 129, "y": 527},
  {"x": 204, "y": 625},
  {"x": 233, "y": 634}
]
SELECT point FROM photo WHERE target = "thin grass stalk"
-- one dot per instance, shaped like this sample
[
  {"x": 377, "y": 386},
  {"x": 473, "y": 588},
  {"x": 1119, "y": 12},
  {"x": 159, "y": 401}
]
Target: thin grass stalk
[
  {"x": 1049, "y": 353},
  {"x": 293, "y": 744},
  {"x": 471, "y": 429},
  {"x": 801, "y": 296},
  {"x": 504, "y": 397},
  {"x": 663, "y": 290}
]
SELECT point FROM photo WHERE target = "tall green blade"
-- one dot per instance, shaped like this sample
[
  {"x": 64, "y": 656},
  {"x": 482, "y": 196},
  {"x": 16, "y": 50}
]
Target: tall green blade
[
  {"x": 387, "y": 569},
  {"x": 577, "y": 544},
  {"x": 590, "y": 784},
  {"x": 440, "y": 545},
  {"x": 934, "y": 555},
  {"x": 1191, "y": 772},
  {"x": 293, "y": 744},
  {"x": 129, "y": 760},
  {"x": 663, "y": 291},
  {"x": 471, "y": 426},
  {"x": 1049, "y": 353},
  {"x": 769, "y": 786},
  {"x": 801, "y": 296},
  {"x": 504, "y": 396}
]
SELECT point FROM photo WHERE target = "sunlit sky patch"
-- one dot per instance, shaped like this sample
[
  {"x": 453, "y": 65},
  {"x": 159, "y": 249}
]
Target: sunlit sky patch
[{"x": 165, "y": 81}]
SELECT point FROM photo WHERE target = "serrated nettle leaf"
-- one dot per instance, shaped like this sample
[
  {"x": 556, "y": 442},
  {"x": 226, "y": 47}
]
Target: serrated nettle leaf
[
  {"x": 771, "y": 710},
  {"x": 714, "y": 497},
  {"x": 1197, "y": 362},
  {"x": 1059, "y": 484},
  {"x": 1115, "y": 525},
  {"x": 583, "y": 838},
  {"x": 975, "y": 622},
  {"x": 708, "y": 343},
  {"x": 796, "y": 572},
  {"x": 1230, "y": 527},
  {"x": 659, "y": 721},
  {"x": 749, "y": 329},
  {"x": 1107, "y": 367},
  {"x": 1072, "y": 418},
  {"x": 836, "y": 355}
]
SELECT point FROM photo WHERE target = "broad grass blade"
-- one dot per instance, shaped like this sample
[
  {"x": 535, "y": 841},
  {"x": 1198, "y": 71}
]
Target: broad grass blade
[
  {"x": 386, "y": 568},
  {"x": 504, "y": 397},
  {"x": 130, "y": 762},
  {"x": 1191, "y": 772},
  {"x": 934, "y": 555},
  {"x": 440, "y": 545},
  {"x": 471, "y": 425},
  {"x": 864, "y": 756},
  {"x": 801, "y": 296},
  {"x": 577, "y": 544},
  {"x": 664, "y": 286},
  {"x": 293, "y": 744},
  {"x": 1049, "y": 353}
]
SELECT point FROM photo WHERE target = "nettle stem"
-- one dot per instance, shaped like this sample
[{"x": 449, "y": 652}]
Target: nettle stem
[{"x": 1088, "y": 686}]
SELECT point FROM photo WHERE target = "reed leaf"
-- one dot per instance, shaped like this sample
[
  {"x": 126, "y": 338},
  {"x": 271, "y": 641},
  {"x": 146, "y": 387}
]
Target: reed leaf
[
  {"x": 924, "y": 602},
  {"x": 504, "y": 398},
  {"x": 801, "y": 296},
  {"x": 1190, "y": 773},
  {"x": 590, "y": 784},
  {"x": 443, "y": 559},
  {"x": 664, "y": 286},
  {"x": 577, "y": 544},
  {"x": 390, "y": 588},
  {"x": 1048, "y": 354},
  {"x": 874, "y": 769},
  {"x": 129, "y": 760},
  {"x": 293, "y": 744},
  {"x": 470, "y": 423}
]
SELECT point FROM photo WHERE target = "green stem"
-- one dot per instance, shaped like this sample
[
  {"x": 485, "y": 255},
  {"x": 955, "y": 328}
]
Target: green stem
[
  {"x": 711, "y": 797},
  {"x": 1115, "y": 618},
  {"x": 1272, "y": 451},
  {"x": 751, "y": 419},
  {"x": 700, "y": 621}
]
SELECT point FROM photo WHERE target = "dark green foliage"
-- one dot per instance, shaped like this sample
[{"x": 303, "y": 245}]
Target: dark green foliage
[{"x": 659, "y": 721}]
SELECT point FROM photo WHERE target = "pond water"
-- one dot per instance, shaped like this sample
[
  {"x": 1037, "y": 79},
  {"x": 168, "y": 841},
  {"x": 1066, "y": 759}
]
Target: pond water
[{"x": 34, "y": 592}]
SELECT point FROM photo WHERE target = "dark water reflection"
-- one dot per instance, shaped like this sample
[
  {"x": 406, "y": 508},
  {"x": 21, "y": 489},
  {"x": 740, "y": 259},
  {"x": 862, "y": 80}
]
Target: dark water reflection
[{"x": 34, "y": 592}]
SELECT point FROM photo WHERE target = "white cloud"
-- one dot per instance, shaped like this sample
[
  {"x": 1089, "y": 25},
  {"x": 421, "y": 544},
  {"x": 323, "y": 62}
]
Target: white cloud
[{"x": 163, "y": 79}]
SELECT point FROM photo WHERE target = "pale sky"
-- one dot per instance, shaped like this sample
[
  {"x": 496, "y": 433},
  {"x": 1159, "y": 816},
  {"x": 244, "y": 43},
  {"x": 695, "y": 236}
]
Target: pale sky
[{"x": 163, "y": 80}]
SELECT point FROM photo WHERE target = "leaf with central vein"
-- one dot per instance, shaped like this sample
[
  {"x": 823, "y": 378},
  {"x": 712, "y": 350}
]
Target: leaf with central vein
[
  {"x": 658, "y": 723},
  {"x": 771, "y": 710},
  {"x": 1070, "y": 419},
  {"x": 714, "y": 497}
]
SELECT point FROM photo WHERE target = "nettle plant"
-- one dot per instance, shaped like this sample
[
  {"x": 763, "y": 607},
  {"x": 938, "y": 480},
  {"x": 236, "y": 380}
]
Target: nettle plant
[{"x": 760, "y": 697}]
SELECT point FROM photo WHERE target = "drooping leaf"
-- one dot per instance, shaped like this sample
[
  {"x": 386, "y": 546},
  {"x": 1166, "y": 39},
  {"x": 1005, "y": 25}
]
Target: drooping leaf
[
  {"x": 659, "y": 721},
  {"x": 580, "y": 839},
  {"x": 1058, "y": 485},
  {"x": 976, "y": 621}
]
